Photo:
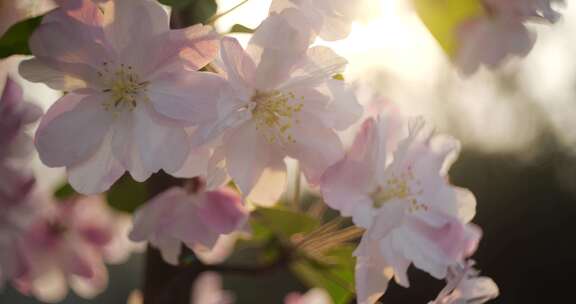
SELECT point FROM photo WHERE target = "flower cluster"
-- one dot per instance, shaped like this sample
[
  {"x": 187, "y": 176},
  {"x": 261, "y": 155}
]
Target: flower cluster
[
  {"x": 141, "y": 98},
  {"x": 47, "y": 245},
  {"x": 393, "y": 182},
  {"x": 17, "y": 200}
]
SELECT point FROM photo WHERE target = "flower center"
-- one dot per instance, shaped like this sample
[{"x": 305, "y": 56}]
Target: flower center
[
  {"x": 123, "y": 86},
  {"x": 400, "y": 186},
  {"x": 274, "y": 114}
]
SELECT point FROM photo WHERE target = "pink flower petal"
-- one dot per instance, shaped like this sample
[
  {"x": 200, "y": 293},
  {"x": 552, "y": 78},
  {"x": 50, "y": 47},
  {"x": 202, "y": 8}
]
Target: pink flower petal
[
  {"x": 271, "y": 184},
  {"x": 125, "y": 148},
  {"x": 187, "y": 96},
  {"x": 133, "y": 22},
  {"x": 161, "y": 145},
  {"x": 67, "y": 137},
  {"x": 240, "y": 68},
  {"x": 58, "y": 75},
  {"x": 372, "y": 276},
  {"x": 222, "y": 211},
  {"x": 315, "y": 146},
  {"x": 98, "y": 173},
  {"x": 247, "y": 155},
  {"x": 192, "y": 48},
  {"x": 67, "y": 42}
]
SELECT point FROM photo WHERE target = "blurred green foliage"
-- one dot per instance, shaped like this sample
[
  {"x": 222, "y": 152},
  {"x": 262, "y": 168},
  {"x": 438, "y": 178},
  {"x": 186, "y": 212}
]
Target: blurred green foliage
[
  {"x": 284, "y": 222},
  {"x": 334, "y": 272},
  {"x": 15, "y": 40},
  {"x": 239, "y": 28},
  {"x": 65, "y": 192},
  {"x": 126, "y": 194},
  {"x": 176, "y": 4},
  {"x": 443, "y": 18},
  {"x": 190, "y": 12}
]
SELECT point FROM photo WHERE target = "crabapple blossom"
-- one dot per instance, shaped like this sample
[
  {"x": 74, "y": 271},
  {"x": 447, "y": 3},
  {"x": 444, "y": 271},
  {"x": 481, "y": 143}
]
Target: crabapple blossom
[
  {"x": 464, "y": 286},
  {"x": 411, "y": 212},
  {"x": 19, "y": 204},
  {"x": 279, "y": 106},
  {"x": 196, "y": 219},
  {"x": 68, "y": 245},
  {"x": 501, "y": 32},
  {"x": 134, "y": 93},
  {"x": 330, "y": 19}
]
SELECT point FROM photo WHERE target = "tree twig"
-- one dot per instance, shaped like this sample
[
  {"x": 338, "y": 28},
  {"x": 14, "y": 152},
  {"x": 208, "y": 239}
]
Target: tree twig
[{"x": 218, "y": 16}]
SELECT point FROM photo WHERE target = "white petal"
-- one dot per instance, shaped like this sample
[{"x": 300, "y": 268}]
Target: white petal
[
  {"x": 188, "y": 96},
  {"x": 315, "y": 146},
  {"x": 35, "y": 70},
  {"x": 170, "y": 249},
  {"x": 270, "y": 186},
  {"x": 125, "y": 148},
  {"x": 240, "y": 69},
  {"x": 133, "y": 22},
  {"x": 319, "y": 65},
  {"x": 161, "y": 145},
  {"x": 196, "y": 163},
  {"x": 247, "y": 155},
  {"x": 372, "y": 276},
  {"x": 98, "y": 173},
  {"x": 72, "y": 136}
]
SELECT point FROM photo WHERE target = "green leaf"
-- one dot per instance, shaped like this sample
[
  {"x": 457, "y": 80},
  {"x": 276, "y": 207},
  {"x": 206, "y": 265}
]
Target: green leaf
[
  {"x": 239, "y": 28},
  {"x": 203, "y": 10},
  {"x": 15, "y": 40},
  {"x": 334, "y": 272},
  {"x": 64, "y": 192},
  {"x": 126, "y": 194},
  {"x": 176, "y": 3},
  {"x": 284, "y": 222},
  {"x": 443, "y": 17}
]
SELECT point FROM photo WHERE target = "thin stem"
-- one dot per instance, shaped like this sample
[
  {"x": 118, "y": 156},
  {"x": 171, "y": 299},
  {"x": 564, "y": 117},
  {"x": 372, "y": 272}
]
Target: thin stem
[
  {"x": 218, "y": 16},
  {"x": 297, "y": 184}
]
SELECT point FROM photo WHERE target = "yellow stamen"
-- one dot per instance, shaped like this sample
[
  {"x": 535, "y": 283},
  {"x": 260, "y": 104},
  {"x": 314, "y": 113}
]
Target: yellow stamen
[
  {"x": 124, "y": 87},
  {"x": 400, "y": 186},
  {"x": 274, "y": 114}
]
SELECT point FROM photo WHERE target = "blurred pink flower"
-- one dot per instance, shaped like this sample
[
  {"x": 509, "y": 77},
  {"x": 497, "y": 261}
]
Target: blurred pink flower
[
  {"x": 208, "y": 290},
  {"x": 18, "y": 211},
  {"x": 411, "y": 212},
  {"x": 313, "y": 296},
  {"x": 19, "y": 204},
  {"x": 501, "y": 33},
  {"x": 221, "y": 250},
  {"x": 465, "y": 286},
  {"x": 330, "y": 19},
  {"x": 490, "y": 41},
  {"x": 280, "y": 103},
  {"x": 15, "y": 115},
  {"x": 196, "y": 219},
  {"x": 523, "y": 10},
  {"x": 68, "y": 246},
  {"x": 134, "y": 93}
]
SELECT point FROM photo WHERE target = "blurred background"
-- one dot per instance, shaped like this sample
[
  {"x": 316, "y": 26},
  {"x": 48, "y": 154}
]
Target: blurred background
[{"x": 517, "y": 125}]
